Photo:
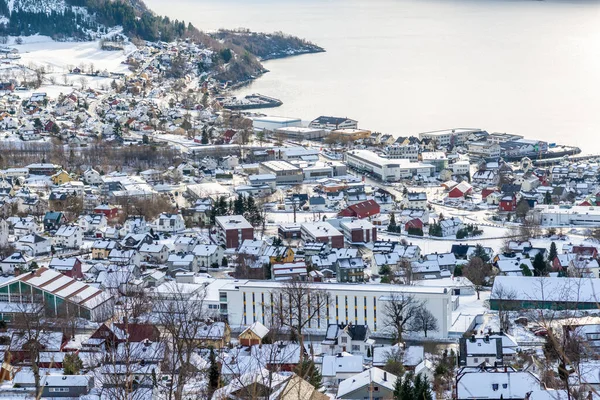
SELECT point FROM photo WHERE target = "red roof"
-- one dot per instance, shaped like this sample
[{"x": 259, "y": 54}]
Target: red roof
[
  {"x": 363, "y": 209},
  {"x": 414, "y": 223}
]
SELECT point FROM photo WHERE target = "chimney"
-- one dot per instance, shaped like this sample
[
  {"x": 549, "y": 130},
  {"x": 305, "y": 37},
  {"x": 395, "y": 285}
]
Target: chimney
[
  {"x": 505, "y": 368},
  {"x": 384, "y": 376}
]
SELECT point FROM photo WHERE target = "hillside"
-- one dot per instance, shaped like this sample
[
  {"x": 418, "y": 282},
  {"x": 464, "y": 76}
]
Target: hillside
[
  {"x": 267, "y": 46},
  {"x": 240, "y": 50}
]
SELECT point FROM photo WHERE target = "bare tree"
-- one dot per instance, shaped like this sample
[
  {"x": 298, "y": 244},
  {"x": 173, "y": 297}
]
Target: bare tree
[
  {"x": 504, "y": 308},
  {"x": 478, "y": 273},
  {"x": 424, "y": 321},
  {"x": 31, "y": 333},
  {"x": 182, "y": 319},
  {"x": 400, "y": 309},
  {"x": 298, "y": 304}
]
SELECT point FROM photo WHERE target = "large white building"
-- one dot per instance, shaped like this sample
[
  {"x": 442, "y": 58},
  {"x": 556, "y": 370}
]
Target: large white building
[
  {"x": 245, "y": 302},
  {"x": 551, "y": 215},
  {"x": 387, "y": 169}
]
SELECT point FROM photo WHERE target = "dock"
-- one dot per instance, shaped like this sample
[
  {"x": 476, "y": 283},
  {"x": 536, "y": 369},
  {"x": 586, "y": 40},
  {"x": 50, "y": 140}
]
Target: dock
[{"x": 250, "y": 102}]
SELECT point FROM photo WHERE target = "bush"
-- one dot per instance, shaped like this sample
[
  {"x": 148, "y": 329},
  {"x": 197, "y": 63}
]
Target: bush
[{"x": 415, "y": 231}]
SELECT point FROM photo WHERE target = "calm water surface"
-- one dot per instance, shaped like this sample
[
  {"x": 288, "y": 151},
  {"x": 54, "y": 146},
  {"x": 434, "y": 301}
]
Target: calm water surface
[{"x": 407, "y": 66}]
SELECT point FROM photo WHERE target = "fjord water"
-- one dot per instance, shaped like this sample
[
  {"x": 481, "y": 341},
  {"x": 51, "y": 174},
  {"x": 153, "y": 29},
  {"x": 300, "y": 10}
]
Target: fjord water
[{"x": 406, "y": 66}]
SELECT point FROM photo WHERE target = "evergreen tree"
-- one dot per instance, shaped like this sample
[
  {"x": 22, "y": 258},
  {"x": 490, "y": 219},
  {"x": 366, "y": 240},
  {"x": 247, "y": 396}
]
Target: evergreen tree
[
  {"x": 412, "y": 387},
  {"x": 392, "y": 225},
  {"x": 239, "y": 206},
  {"x": 72, "y": 364},
  {"x": 481, "y": 253},
  {"x": 539, "y": 265},
  {"x": 553, "y": 253},
  {"x": 204, "y": 139},
  {"x": 310, "y": 373},
  {"x": 525, "y": 270},
  {"x": 117, "y": 130},
  {"x": 213, "y": 372},
  {"x": 548, "y": 198},
  {"x": 422, "y": 389}
]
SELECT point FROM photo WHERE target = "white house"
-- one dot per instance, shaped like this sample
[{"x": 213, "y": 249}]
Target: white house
[
  {"x": 92, "y": 223},
  {"x": 34, "y": 244},
  {"x": 336, "y": 368},
  {"x": 208, "y": 254},
  {"x": 69, "y": 237},
  {"x": 92, "y": 177},
  {"x": 155, "y": 253},
  {"x": 134, "y": 225},
  {"x": 170, "y": 223},
  {"x": 14, "y": 261},
  {"x": 451, "y": 226},
  {"x": 347, "y": 338},
  {"x": 25, "y": 226}
]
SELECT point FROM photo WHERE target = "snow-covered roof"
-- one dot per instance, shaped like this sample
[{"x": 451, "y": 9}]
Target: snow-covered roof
[
  {"x": 496, "y": 385},
  {"x": 341, "y": 363},
  {"x": 360, "y": 380}
]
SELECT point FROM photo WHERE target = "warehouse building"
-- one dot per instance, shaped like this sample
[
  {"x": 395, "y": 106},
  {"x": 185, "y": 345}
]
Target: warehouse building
[{"x": 285, "y": 173}]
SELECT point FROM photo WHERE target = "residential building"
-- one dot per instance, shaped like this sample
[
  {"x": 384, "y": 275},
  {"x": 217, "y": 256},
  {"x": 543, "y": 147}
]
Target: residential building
[
  {"x": 415, "y": 201},
  {"x": 170, "y": 223},
  {"x": 449, "y": 137},
  {"x": 253, "y": 335},
  {"x": 359, "y": 231},
  {"x": 364, "y": 209},
  {"x": 322, "y": 232},
  {"x": 350, "y": 270},
  {"x": 70, "y": 266},
  {"x": 208, "y": 255},
  {"x": 232, "y": 230},
  {"x": 494, "y": 384},
  {"x": 477, "y": 351},
  {"x": 372, "y": 383},
  {"x": 68, "y": 237}
]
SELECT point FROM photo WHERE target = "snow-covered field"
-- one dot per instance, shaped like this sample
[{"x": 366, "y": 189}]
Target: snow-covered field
[{"x": 59, "y": 57}]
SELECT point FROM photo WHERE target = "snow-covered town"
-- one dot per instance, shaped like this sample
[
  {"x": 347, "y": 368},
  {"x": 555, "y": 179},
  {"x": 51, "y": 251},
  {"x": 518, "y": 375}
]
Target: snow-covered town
[{"x": 156, "y": 241}]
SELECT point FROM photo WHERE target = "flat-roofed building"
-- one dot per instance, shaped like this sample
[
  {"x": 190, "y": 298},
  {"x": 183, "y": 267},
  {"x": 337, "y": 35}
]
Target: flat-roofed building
[
  {"x": 359, "y": 231},
  {"x": 285, "y": 173},
  {"x": 245, "y": 302},
  {"x": 301, "y": 133},
  {"x": 322, "y": 232},
  {"x": 386, "y": 169},
  {"x": 232, "y": 230},
  {"x": 272, "y": 123}
]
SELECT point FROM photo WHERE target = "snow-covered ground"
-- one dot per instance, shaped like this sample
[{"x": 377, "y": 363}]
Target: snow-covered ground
[{"x": 60, "y": 57}]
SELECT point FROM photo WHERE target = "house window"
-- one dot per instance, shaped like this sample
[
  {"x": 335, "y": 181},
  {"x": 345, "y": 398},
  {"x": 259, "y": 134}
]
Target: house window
[
  {"x": 494, "y": 386},
  {"x": 476, "y": 359},
  {"x": 504, "y": 385},
  {"x": 355, "y": 347},
  {"x": 344, "y": 339}
]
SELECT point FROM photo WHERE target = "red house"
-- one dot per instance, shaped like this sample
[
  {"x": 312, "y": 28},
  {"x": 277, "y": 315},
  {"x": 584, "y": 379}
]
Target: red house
[
  {"x": 361, "y": 210},
  {"x": 70, "y": 266},
  {"x": 109, "y": 211},
  {"x": 585, "y": 251},
  {"x": 414, "y": 224},
  {"x": 487, "y": 191},
  {"x": 508, "y": 203},
  {"x": 131, "y": 332},
  {"x": 460, "y": 190}
]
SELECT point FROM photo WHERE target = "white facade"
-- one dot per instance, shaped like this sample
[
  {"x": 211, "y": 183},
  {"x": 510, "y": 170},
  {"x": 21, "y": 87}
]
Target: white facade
[
  {"x": 461, "y": 167},
  {"x": 449, "y": 136},
  {"x": 245, "y": 302},
  {"x": 408, "y": 152},
  {"x": 3, "y": 232},
  {"x": 170, "y": 223},
  {"x": 387, "y": 169},
  {"x": 69, "y": 237},
  {"x": 550, "y": 215}
]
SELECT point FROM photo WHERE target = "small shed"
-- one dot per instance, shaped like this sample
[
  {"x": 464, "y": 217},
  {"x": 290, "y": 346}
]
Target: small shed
[{"x": 254, "y": 334}]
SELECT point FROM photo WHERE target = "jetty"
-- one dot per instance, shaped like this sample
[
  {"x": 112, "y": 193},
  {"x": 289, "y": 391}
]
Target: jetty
[{"x": 251, "y": 101}]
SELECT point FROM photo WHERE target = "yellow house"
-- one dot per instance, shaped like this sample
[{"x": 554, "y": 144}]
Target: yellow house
[
  {"x": 351, "y": 134},
  {"x": 216, "y": 335},
  {"x": 280, "y": 254},
  {"x": 61, "y": 177}
]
